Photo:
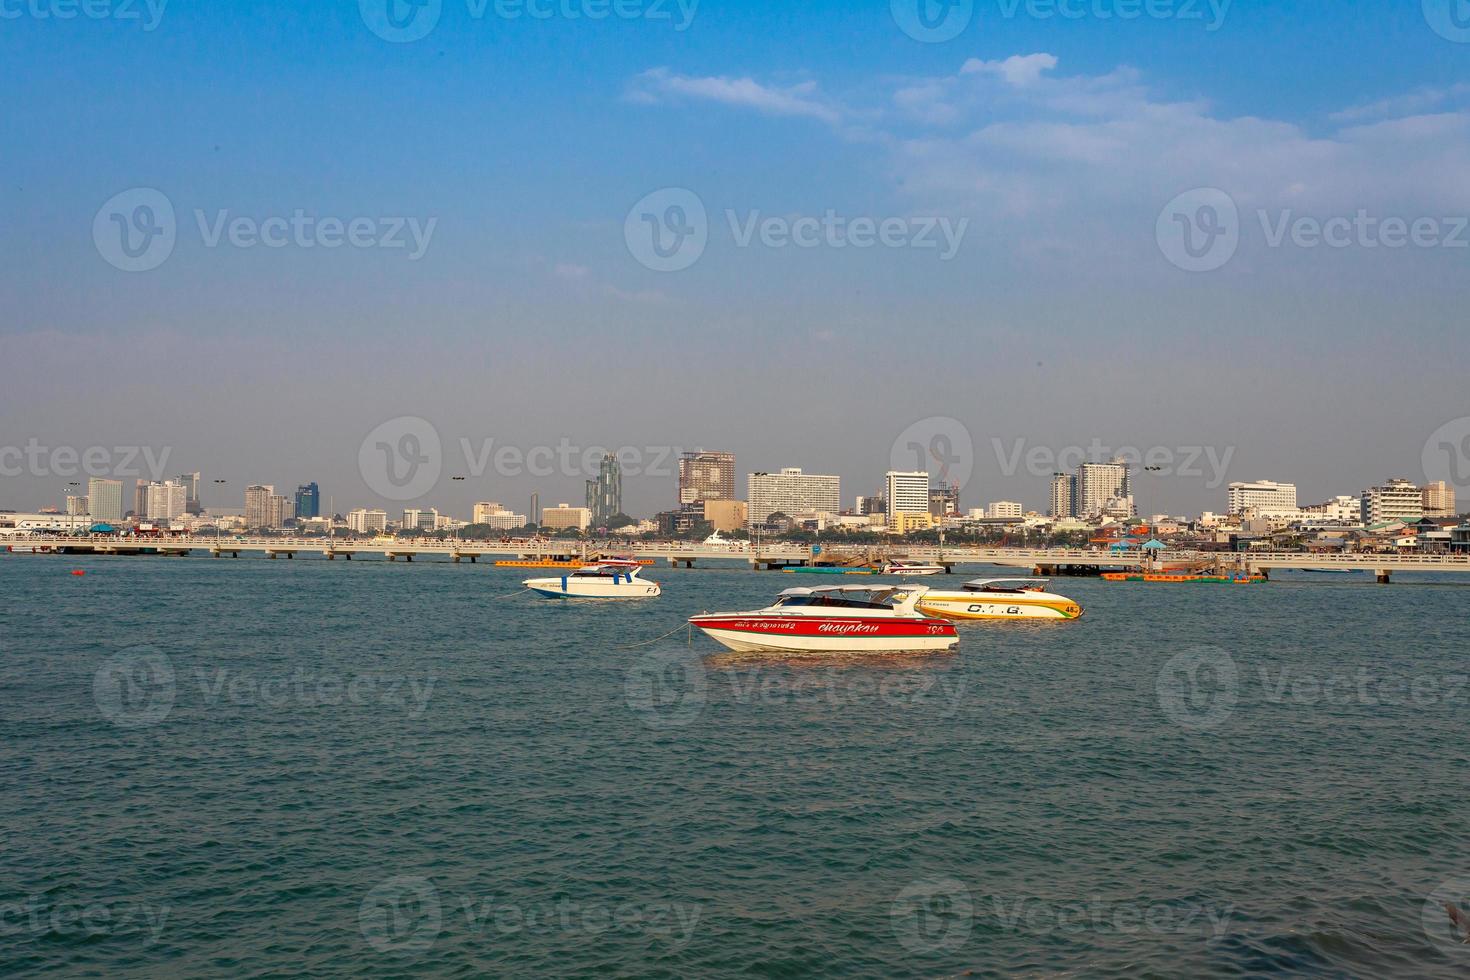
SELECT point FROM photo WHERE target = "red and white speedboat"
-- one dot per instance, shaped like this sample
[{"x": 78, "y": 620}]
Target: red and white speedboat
[{"x": 839, "y": 619}]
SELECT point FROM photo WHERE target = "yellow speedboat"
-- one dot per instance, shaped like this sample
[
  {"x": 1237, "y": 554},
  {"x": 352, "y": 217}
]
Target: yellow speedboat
[{"x": 1000, "y": 598}]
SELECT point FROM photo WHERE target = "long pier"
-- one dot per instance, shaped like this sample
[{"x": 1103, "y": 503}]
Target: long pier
[{"x": 1043, "y": 561}]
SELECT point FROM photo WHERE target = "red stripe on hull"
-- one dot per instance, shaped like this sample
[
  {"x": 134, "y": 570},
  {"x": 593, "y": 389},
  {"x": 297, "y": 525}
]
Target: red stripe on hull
[{"x": 815, "y": 626}]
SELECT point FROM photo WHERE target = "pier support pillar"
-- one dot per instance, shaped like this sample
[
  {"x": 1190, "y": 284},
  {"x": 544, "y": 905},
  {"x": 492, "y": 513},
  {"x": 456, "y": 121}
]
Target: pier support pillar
[
  {"x": 1383, "y": 576},
  {"x": 273, "y": 556},
  {"x": 348, "y": 556},
  {"x": 408, "y": 558},
  {"x": 474, "y": 559}
]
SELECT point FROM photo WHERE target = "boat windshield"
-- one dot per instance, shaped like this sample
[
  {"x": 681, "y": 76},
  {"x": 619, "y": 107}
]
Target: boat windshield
[
  {"x": 603, "y": 573},
  {"x": 830, "y": 599}
]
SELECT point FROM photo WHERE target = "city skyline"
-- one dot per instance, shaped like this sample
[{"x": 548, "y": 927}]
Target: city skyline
[{"x": 527, "y": 311}]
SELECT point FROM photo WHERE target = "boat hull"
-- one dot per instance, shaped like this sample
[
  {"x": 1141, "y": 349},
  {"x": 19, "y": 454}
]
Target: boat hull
[
  {"x": 976, "y": 606},
  {"x": 800, "y": 634},
  {"x": 570, "y": 588}
]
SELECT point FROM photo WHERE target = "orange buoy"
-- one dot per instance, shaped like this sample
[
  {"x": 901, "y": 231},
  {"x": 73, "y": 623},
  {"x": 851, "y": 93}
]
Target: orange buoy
[{"x": 77, "y": 571}]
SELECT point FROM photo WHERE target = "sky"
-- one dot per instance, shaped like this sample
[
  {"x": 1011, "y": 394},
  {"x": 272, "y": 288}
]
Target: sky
[{"x": 380, "y": 245}]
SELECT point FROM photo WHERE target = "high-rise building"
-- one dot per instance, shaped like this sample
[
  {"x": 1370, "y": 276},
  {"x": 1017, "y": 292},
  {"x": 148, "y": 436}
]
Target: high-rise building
[
  {"x": 190, "y": 483},
  {"x": 706, "y": 476},
  {"x": 1004, "y": 509},
  {"x": 866, "y": 506},
  {"x": 944, "y": 500},
  {"x": 1439, "y": 500},
  {"x": 792, "y": 492},
  {"x": 76, "y": 506},
  {"x": 1395, "y": 500},
  {"x": 140, "y": 499},
  {"x": 420, "y": 519},
  {"x": 908, "y": 494},
  {"x": 1265, "y": 498},
  {"x": 104, "y": 500},
  {"x": 605, "y": 494},
  {"x": 565, "y": 516},
  {"x": 1064, "y": 496},
  {"x": 166, "y": 501},
  {"x": 258, "y": 506},
  {"x": 1103, "y": 487},
  {"x": 367, "y": 521},
  {"x": 535, "y": 514},
  {"x": 308, "y": 501},
  {"x": 491, "y": 514}
]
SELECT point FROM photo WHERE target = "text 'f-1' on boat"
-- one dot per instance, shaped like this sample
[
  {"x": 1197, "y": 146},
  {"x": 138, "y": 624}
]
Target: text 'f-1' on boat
[
  {"x": 837, "y": 619},
  {"x": 606, "y": 580},
  {"x": 1000, "y": 598}
]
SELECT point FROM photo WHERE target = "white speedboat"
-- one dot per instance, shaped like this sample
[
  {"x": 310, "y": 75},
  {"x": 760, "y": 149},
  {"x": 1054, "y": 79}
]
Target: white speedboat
[
  {"x": 1000, "y": 598},
  {"x": 912, "y": 568},
  {"x": 837, "y": 619},
  {"x": 606, "y": 580}
]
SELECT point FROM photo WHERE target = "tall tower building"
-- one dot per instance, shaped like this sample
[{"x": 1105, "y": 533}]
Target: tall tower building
[
  {"x": 605, "y": 494},
  {"x": 104, "y": 500},
  {"x": 1098, "y": 484},
  {"x": 166, "y": 501},
  {"x": 258, "y": 506},
  {"x": 308, "y": 501},
  {"x": 535, "y": 515},
  {"x": 190, "y": 483},
  {"x": 1439, "y": 500},
  {"x": 908, "y": 493},
  {"x": 793, "y": 492},
  {"x": 1064, "y": 496},
  {"x": 706, "y": 476}
]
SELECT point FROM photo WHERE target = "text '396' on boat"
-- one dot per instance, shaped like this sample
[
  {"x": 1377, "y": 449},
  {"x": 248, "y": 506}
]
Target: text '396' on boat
[
  {"x": 1000, "y": 598},
  {"x": 605, "y": 580},
  {"x": 838, "y": 619}
]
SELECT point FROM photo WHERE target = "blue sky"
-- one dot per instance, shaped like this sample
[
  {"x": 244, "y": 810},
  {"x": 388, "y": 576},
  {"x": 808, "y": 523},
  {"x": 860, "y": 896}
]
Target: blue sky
[{"x": 1055, "y": 142}]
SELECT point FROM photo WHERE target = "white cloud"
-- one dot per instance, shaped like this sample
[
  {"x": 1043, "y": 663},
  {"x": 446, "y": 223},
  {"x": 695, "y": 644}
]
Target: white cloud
[
  {"x": 661, "y": 85},
  {"x": 1018, "y": 70}
]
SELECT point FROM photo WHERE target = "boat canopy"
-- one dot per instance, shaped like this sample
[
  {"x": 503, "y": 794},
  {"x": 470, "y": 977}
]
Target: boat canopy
[{"x": 1008, "y": 585}]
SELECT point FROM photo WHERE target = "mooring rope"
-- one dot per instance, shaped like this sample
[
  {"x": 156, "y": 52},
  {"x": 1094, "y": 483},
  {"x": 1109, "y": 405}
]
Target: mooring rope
[
  {"x": 688, "y": 626},
  {"x": 510, "y": 595}
]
